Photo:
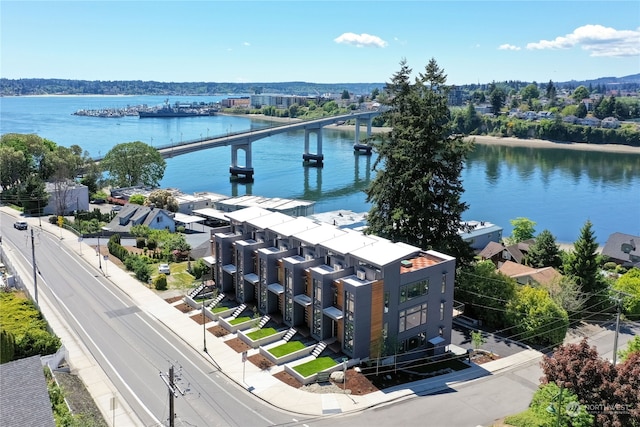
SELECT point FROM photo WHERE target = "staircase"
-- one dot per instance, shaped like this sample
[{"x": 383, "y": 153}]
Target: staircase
[
  {"x": 239, "y": 310},
  {"x": 290, "y": 333},
  {"x": 216, "y": 301},
  {"x": 264, "y": 321},
  {"x": 319, "y": 349},
  {"x": 194, "y": 293}
]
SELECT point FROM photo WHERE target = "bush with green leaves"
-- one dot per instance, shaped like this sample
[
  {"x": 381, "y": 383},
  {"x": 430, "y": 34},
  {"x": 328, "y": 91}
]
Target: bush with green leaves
[
  {"x": 199, "y": 268},
  {"x": 161, "y": 282},
  {"x": 21, "y": 319}
]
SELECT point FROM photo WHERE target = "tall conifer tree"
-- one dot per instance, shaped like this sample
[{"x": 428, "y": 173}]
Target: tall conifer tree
[
  {"x": 583, "y": 261},
  {"x": 416, "y": 193}
]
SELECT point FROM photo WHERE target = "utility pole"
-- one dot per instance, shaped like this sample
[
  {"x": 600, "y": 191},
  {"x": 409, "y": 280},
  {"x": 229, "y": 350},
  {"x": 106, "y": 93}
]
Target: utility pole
[
  {"x": 174, "y": 391},
  {"x": 35, "y": 269},
  {"x": 618, "y": 300}
]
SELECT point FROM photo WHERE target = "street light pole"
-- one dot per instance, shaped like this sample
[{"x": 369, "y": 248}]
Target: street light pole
[
  {"x": 99, "y": 254},
  {"x": 204, "y": 321}
]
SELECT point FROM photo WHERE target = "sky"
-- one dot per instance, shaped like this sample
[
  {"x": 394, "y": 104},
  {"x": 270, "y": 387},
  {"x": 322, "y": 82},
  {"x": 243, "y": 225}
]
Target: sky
[{"x": 342, "y": 41}]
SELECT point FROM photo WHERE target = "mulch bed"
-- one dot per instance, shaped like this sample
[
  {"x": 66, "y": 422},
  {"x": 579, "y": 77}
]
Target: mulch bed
[
  {"x": 238, "y": 345},
  {"x": 200, "y": 319},
  {"x": 356, "y": 382},
  {"x": 260, "y": 361},
  {"x": 173, "y": 299},
  {"x": 185, "y": 308},
  {"x": 218, "y": 331}
]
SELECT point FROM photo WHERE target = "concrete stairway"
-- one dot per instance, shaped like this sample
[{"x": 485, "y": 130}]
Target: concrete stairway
[
  {"x": 239, "y": 310},
  {"x": 290, "y": 333},
  {"x": 319, "y": 349}
]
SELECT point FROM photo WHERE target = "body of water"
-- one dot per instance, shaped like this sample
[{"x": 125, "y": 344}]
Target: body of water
[{"x": 558, "y": 189}]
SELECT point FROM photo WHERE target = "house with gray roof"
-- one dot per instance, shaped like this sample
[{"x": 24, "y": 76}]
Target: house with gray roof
[
  {"x": 24, "y": 398},
  {"x": 623, "y": 249},
  {"x": 132, "y": 214}
]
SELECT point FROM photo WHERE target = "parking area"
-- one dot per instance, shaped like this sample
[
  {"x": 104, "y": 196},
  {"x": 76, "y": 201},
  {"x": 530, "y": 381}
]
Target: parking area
[{"x": 503, "y": 347}]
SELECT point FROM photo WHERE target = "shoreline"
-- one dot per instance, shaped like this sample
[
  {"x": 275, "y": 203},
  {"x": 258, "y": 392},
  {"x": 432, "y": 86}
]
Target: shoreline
[{"x": 484, "y": 139}]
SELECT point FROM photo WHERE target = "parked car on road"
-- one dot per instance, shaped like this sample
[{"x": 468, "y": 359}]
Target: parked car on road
[
  {"x": 20, "y": 225},
  {"x": 164, "y": 269}
]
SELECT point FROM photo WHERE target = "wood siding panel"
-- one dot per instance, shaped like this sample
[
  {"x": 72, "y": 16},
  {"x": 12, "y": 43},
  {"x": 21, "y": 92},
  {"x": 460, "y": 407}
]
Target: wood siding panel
[{"x": 377, "y": 310}]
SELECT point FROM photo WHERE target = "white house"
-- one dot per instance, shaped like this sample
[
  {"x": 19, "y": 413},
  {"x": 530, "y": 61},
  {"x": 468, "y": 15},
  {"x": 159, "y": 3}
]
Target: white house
[{"x": 66, "y": 197}]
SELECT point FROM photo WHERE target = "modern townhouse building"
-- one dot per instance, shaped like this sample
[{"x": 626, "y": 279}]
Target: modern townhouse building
[{"x": 337, "y": 285}]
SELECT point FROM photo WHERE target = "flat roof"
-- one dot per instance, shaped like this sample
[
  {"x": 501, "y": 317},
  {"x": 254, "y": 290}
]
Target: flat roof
[
  {"x": 246, "y": 214},
  {"x": 187, "y": 219},
  {"x": 212, "y": 213},
  {"x": 293, "y": 227},
  {"x": 319, "y": 234},
  {"x": 267, "y": 221},
  {"x": 348, "y": 242},
  {"x": 384, "y": 252}
]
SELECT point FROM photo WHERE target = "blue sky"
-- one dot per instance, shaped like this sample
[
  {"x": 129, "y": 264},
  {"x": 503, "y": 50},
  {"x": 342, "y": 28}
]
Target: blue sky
[{"x": 318, "y": 41}]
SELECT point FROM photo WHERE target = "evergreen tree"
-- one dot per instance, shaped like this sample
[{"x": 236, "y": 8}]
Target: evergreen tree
[
  {"x": 583, "y": 261},
  {"x": 416, "y": 192},
  {"x": 544, "y": 252}
]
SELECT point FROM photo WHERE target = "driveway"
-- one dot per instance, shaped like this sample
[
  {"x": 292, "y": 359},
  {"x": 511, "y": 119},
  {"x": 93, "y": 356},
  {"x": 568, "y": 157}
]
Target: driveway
[{"x": 503, "y": 347}]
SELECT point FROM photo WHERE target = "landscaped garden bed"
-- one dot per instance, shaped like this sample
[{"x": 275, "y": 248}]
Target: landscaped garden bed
[
  {"x": 286, "y": 352},
  {"x": 258, "y": 337}
]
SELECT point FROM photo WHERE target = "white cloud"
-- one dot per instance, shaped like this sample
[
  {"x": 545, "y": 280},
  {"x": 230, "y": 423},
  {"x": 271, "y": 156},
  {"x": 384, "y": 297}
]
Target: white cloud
[
  {"x": 599, "y": 40},
  {"x": 246, "y": 44},
  {"x": 508, "y": 46},
  {"x": 360, "y": 40}
]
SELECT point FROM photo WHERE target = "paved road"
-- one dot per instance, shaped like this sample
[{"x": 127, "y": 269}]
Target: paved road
[{"x": 129, "y": 345}]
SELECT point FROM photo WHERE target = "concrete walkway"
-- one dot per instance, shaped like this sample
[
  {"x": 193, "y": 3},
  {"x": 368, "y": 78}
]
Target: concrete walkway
[{"x": 261, "y": 383}]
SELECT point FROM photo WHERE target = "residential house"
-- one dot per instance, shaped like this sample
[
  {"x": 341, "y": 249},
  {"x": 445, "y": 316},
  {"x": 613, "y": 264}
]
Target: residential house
[
  {"x": 589, "y": 121},
  {"x": 526, "y": 275},
  {"x": 24, "y": 397},
  {"x": 623, "y": 249},
  {"x": 610, "y": 122},
  {"x": 132, "y": 214},
  {"x": 499, "y": 253},
  {"x": 479, "y": 233},
  {"x": 66, "y": 197},
  {"x": 337, "y": 285},
  {"x": 570, "y": 119}
]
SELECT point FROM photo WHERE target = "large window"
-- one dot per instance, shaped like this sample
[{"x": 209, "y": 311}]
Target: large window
[
  {"x": 414, "y": 290},
  {"x": 412, "y": 317},
  {"x": 349, "y": 321}
]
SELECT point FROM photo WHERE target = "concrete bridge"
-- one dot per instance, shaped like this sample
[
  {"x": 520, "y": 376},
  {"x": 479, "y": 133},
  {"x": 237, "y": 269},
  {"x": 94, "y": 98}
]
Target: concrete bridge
[{"x": 242, "y": 141}]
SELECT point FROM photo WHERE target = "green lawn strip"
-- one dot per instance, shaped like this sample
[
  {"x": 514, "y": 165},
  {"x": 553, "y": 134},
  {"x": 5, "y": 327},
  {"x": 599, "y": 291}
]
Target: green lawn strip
[
  {"x": 315, "y": 366},
  {"x": 261, "y": 333},
  {"x": 220, "y": 309},
  {"x": 241, "y": 319},
  {"x": 287, "y": 348}
]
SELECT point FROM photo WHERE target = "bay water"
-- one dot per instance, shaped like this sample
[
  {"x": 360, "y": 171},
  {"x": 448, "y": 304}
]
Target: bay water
[{"x": 559, "y": 189}]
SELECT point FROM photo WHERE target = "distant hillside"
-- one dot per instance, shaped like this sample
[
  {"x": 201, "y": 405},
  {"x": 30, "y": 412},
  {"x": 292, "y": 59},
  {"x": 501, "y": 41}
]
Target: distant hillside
[{"x": 18, "y": 87}]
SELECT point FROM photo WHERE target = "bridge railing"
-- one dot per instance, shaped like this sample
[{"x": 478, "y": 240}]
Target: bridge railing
[{"x": 271, "y": 125}]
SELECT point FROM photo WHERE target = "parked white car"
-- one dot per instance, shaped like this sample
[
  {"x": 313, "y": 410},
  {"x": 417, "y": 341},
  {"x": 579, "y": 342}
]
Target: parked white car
[{"x": 164, "y": 269}]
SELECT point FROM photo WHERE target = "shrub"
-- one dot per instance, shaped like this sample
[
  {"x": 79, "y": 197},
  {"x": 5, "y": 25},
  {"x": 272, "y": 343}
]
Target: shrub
[
  {"x": 7, "y": 346},
  {"x": 140, "y": 242},
  {"x": 161, "y": 282},
  {"x": 180, "y": 229},
  {"x": 610, "y": 266}
]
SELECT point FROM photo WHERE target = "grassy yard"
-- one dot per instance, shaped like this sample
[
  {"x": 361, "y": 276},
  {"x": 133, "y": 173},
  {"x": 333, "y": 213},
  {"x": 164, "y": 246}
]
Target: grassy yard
[
  {"x": 179, "y": 278},
  {"x": 261, "y": 333},
  {"x": 240, "y": 319},
  {"x": 315, "y": 366},
  {"x": 287, "y": 348}
]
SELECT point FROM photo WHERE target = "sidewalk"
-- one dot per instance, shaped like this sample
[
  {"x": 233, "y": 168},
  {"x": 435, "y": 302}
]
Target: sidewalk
[{"x": 259, "y": 382}]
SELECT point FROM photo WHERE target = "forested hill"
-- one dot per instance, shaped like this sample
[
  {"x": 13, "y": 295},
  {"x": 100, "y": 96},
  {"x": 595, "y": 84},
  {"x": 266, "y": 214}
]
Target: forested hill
[
  {"x": 17, "y": 87},
  {"x": 9, "y": 87}
]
